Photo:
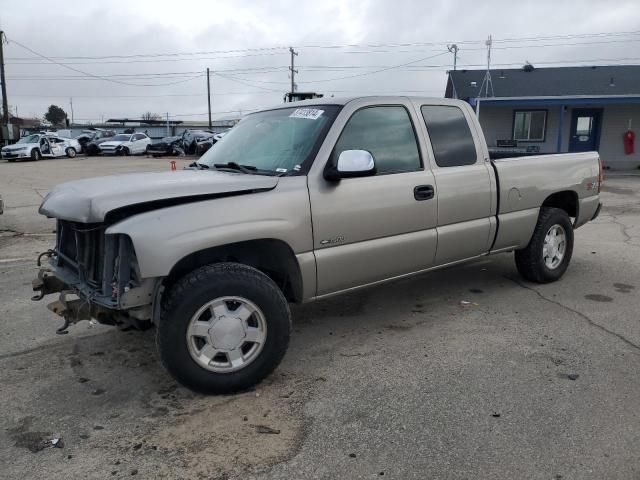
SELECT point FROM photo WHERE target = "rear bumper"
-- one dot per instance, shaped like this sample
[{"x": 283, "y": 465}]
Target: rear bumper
[{"x": 588, "y": 209}]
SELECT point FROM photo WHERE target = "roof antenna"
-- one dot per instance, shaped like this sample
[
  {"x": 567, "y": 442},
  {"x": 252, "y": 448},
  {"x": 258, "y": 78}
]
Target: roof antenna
[{"x": 487, "y": 84}]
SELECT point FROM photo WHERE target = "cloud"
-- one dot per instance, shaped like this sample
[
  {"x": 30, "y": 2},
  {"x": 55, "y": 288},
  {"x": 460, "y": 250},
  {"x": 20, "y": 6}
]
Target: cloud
[{"x": 76, "y": 29}]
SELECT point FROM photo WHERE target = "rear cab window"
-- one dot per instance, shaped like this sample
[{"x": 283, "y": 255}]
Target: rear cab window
[{"x": 451, "y": 138}]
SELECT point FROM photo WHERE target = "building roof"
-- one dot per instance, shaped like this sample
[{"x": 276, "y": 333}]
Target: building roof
[{"x": 545, "y": 82}]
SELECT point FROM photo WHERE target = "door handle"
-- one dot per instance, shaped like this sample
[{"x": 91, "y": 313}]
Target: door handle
[{"x": 423, "y": 192}]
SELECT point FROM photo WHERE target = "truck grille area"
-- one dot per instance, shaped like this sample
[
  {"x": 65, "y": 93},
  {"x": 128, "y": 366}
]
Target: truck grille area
[{"x": 81, "y": 249}]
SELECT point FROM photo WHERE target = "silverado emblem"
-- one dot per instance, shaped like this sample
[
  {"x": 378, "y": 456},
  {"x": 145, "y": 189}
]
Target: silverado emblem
[{"x": 331, "y": 241}]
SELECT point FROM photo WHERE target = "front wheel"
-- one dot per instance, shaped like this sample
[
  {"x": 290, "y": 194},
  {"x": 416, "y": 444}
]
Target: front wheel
[
  {"x": 223, "y": 328},
  {"x": 548, "y": 254},
  {"x": 71, "y": 152},
  {"x": 35, "y": 154}
]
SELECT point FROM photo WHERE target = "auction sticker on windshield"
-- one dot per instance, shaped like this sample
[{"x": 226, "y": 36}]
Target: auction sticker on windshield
[{"x": 310, "y": 113}]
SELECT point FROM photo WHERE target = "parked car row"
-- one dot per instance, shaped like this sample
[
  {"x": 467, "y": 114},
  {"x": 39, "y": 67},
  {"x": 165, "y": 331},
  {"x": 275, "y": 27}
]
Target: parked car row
[{"x": 97, "y": 141}]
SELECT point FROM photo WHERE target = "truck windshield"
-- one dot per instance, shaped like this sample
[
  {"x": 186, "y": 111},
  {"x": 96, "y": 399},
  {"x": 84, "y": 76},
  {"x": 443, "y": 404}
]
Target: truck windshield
[{"x": 275, "y": 141}]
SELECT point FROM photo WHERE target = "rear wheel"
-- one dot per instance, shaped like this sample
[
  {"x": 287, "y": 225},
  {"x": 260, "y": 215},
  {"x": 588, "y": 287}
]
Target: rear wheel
[
  {"x": 548, "y": 254},
  {"x": 223, "y": 328},
  {"x": 35, "y": 154}
]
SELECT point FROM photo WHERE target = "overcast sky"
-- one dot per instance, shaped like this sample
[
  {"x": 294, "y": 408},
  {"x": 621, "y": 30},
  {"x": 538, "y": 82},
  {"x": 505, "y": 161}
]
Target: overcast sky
[{"x": 154, "y": 45}]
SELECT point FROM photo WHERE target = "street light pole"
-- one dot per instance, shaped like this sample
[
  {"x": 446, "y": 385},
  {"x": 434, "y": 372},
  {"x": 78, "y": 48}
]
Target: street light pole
[
  {"x": 3, "y": 81},
  {"x": 293, "y": 71},
  {"x": 209, "y": 97}
]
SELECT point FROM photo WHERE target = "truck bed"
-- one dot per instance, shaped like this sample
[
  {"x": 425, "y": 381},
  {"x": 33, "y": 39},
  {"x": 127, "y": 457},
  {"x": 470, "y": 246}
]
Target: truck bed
[{"x": 524, "y": 183}]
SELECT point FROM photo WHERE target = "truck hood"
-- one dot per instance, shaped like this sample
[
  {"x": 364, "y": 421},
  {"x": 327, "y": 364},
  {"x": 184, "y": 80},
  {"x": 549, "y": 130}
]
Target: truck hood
[{"x": 90, "y": 200}]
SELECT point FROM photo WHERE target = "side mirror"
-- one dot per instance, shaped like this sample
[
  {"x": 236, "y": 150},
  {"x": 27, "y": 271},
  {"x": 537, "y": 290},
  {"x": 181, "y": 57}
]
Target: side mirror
[{"x": 351, "y": 163}]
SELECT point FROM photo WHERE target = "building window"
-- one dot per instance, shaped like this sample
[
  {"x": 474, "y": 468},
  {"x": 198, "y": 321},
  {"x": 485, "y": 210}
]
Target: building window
[{"x": 530, "y": 125}]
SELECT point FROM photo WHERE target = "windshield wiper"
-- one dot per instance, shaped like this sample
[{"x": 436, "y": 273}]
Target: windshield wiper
[
  {"x": 199, "y": 166},
  {"x": 237, "y": 166}
]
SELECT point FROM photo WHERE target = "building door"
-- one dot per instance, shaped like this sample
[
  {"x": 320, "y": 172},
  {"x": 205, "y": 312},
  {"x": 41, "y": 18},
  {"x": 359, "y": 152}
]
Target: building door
[{"x": 585, "y": 130}]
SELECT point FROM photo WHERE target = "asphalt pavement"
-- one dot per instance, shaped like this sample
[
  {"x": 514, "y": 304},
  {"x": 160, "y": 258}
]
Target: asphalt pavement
[{"x": 464, "y": 373}]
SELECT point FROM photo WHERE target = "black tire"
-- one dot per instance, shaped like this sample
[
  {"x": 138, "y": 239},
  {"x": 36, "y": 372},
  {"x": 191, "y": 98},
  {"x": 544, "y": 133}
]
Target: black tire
[
  {"x": 35, "y": 155},
  {"x": 11, "y": 160},
  {"x": 71, "y": 152},
  {"x": 196, "y": 289},
  {"x": 530, "y": 261}
]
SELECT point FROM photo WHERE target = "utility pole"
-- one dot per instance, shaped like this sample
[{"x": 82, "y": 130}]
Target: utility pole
[
  {"x": 209, "y": 97},
  {"x": 71, "y": 104},
  {"x": 293, "y": 71},
  {"x": 5, "y": 103},
  {"x": 168, "y": 132},
  {"x": 454, "y": 49}
]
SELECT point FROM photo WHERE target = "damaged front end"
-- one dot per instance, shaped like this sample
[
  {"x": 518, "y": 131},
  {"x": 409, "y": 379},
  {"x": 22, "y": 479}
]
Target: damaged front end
[{"x": 97, "y": 277}]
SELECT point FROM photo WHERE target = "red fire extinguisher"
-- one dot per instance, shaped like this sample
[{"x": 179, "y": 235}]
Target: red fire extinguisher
[{"x": 629, "y": 139}]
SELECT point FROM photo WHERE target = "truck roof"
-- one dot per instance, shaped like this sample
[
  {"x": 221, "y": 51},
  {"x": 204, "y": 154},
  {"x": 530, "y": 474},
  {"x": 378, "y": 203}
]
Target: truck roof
[{"x": 380, "y": 98}]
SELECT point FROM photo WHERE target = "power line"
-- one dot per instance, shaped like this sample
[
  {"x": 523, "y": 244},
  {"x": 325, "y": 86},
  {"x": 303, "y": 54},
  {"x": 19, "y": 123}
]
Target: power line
[
  {"x": 142, "y": 61},
  {"x": 510, "y": 47},
  {"x": 284, "y": 49},
  {"x": 244, "y": 82},
  {"x": 383, "y": 69},
  {"x": 98, "y": 76},
  {"x": 379, "y": 70},
  {"x": 361, "y": 52},
  {"x": 237, "y": 71},
  {"x": 419, "y": 68}
]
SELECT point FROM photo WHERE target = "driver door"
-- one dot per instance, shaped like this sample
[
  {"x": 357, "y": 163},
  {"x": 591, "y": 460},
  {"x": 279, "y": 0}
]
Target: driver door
[
  {"x": 46, "y": 147},
  {"x": 373, "y": 228}
]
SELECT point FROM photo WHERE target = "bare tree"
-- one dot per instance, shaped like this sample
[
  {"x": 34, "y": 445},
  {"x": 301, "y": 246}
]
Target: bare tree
[{"x": 146, "y": 116}]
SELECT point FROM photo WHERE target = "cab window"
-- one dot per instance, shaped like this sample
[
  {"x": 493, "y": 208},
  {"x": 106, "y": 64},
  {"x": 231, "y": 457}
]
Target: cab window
[
  {"x": 450, "y": 135},
  {"x": 387, "y": 133}
]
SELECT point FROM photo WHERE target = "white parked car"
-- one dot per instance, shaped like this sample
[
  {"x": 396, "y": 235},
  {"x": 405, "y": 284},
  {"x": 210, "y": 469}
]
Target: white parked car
[
  {"x": 39, "y": 146},
  {"x": 126, "y": 144},
  {"x": 218, "y": 136}
]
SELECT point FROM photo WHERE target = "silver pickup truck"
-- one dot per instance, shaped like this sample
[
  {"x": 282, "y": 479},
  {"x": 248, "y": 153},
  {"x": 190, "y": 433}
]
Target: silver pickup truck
[{"x": 294, "y": 204}]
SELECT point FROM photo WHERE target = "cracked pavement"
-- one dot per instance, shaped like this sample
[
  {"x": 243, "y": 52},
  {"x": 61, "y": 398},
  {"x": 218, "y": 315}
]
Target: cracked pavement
[{"x": 400, "y": 381}]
